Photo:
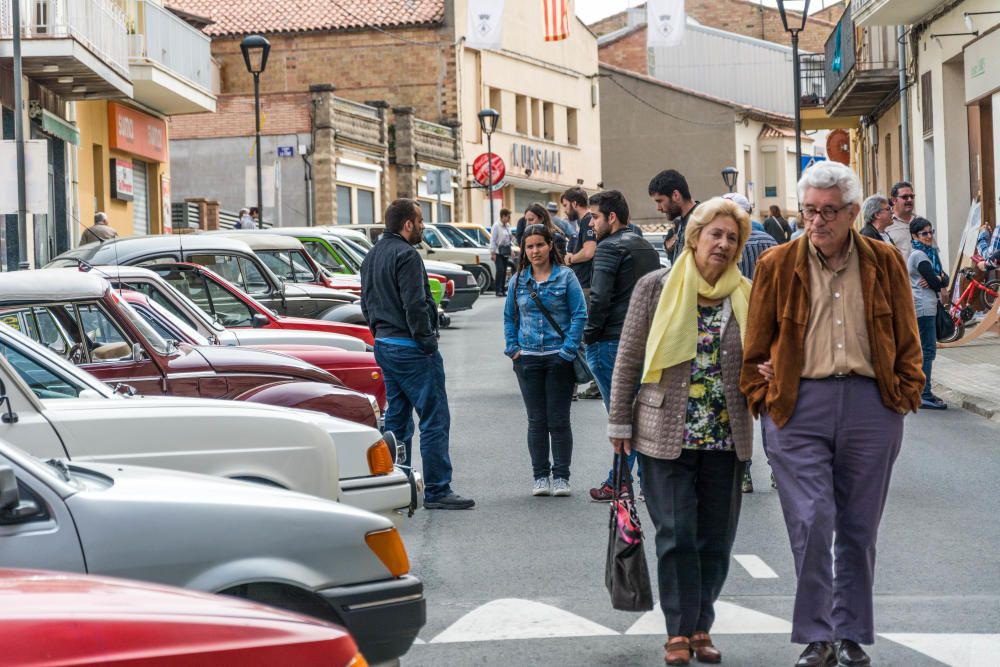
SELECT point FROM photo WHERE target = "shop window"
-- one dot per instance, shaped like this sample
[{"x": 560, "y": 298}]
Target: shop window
[
  {"x": 549, "y": 121},
  {"x": 366, "y": 207},
  {"x": 445, "y": 213},
  {"x": 536, "y": 118},
  {"x": 427, "y": 210},
  {"x": 770, "y": 161},
  {"x": 571, "y": 131},
  {"x": 521, "y": 109},
  {"x": 344, "y": 216},
  {"x": 496, "y": 103}
]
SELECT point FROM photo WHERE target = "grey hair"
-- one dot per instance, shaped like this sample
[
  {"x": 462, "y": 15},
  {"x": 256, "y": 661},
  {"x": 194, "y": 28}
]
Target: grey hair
[
  {"x": 829, "y": 174},
  {"x": 100, "y": 217},
  {"x": 872, "y": 206}
]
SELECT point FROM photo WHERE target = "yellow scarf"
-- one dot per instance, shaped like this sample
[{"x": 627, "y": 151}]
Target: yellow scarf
[{"x": 673, "y": 334}]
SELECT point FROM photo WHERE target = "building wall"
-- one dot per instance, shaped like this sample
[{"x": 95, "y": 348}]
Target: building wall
[{"x": 629, "y": 52}]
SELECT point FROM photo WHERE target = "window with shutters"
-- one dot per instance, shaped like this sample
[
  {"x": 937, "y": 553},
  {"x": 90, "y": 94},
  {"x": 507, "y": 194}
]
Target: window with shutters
[{"x": 927, "y": 103}]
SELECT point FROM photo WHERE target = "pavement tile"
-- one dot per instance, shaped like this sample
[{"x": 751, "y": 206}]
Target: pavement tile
[{"x": 969, "y": 376}]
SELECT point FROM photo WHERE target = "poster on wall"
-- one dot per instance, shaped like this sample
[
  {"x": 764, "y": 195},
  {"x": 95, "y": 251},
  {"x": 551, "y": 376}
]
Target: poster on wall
[
  {"x": 121, "y": 179},
  {"x": 167, "y": 226}
]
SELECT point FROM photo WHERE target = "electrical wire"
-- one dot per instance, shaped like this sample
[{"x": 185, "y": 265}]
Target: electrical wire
[{"x": 664, "y": 112}]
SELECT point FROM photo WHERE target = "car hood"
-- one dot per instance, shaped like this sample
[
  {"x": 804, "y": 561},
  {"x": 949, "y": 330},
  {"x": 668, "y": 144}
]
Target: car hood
[
  {"x": 437, "y": 267},
  {"x": 318, "y": 292},
  {"x": 209, "y": 534},
  {"x": 325, "y": 356},
  {"x": 267, "y": 337},
  {"x": 227, "y": 359}
]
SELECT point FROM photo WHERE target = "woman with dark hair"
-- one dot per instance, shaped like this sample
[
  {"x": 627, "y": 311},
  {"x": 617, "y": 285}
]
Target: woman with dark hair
[
  {"x": 927, "y": 279},
  {"x": 536, "y": 214},
  {"x": 777, "y": 226},
  {"x": 543, "y": 352}
]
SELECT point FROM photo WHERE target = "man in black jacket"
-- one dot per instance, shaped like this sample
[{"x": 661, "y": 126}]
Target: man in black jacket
[
  {"x": 396, "y": 300},
  {"x": 621, "y": 258}
]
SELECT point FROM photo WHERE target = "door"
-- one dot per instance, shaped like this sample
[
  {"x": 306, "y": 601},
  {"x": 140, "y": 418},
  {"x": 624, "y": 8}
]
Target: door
[{"x": 140, "y": 203}]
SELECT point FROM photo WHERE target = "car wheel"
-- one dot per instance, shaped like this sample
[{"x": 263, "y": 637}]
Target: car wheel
[{"x": 482, "y": 278}]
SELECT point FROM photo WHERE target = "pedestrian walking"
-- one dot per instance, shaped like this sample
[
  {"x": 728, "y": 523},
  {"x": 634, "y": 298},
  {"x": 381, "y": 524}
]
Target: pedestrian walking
[
  {"x": 543, "y": 353},
  {"x": 776, "y": 225},
  {"x": 682, "y": 341},
  {"x": 836, "y": 311},
  {"x": 622, "y": 258},
  {"x": 397, "y": 304},
  {"x": 669, "y": 189},
  {"x": 99, "y": 232},
  {"x": 580, "y": 254},
  {"x": 903, "y": 204},
  {"x": 927, "y": 281},
  {"x": 500, "y": 249},
  {"x": 877, "y": 216}
]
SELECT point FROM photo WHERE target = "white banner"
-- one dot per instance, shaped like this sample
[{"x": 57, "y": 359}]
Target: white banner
[
  {"x": 665, "y": 21},
  {"x": 36, "y": 165},
  {"x": 485, "y": 30}
]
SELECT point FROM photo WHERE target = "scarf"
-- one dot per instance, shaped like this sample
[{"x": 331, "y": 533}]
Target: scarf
[
  {"x": 932, "y": 254},
  {"x": 673, "y": 334}
]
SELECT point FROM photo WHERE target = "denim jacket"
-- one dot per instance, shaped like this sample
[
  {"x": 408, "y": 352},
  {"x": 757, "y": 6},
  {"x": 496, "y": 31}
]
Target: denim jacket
[{"x": 563, "y": 298}]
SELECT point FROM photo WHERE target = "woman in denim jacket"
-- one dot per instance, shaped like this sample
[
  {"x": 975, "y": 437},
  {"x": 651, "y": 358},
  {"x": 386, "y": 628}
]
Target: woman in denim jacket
[{"x": 543, "y": 359}]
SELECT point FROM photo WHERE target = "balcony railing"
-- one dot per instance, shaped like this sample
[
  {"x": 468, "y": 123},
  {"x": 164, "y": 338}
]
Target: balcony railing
[
  {"x": 812, "y": 77},
  {"x": 99, "y": 25},
  {"x": 168, "y": 40},
  {"x": 860, "y": 65}
]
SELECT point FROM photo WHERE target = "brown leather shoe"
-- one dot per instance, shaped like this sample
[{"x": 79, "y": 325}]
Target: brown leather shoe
[
  {"x": 703, "y": 648},
  {"x": 677, "y": 651}
]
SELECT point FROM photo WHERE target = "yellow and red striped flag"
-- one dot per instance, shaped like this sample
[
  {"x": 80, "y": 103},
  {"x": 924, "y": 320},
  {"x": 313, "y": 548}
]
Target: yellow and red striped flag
[{"x": 556, "y": 15}]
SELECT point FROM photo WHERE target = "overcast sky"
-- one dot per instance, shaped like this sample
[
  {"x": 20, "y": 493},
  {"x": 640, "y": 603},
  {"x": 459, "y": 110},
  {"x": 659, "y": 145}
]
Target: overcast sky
[{"x": 592, "y": 10}]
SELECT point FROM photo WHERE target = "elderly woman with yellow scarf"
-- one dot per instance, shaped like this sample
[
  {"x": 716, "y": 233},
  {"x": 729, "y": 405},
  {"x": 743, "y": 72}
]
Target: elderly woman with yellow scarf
[{"x": 689, "y": 422}]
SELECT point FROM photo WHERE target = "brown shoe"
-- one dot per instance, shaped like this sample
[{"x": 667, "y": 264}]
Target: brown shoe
[
  {"x": 703, "y": 648},
  {"x": 677, "y": 651}
]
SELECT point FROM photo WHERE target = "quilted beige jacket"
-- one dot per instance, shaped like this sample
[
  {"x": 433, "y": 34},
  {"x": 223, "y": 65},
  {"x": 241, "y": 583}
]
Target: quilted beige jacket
[{"x": 655, "y": 419}]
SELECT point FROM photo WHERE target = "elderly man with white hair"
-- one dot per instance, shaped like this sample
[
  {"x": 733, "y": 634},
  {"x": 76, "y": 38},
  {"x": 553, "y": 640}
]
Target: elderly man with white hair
[
  {"x": 100, "y": 232},
  {"x": 876, "y": 213},
  {"x": 832, "y": 362}
]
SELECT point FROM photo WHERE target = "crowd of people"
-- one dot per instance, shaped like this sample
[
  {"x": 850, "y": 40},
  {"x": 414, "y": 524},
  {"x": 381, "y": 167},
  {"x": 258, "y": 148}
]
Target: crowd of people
[{"x": 826, "y": 338}]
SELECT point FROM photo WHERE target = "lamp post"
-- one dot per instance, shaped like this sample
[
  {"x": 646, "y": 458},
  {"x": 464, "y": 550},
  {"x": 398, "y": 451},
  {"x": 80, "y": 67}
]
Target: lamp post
[
  {"x": 488, "y": 124},
  {"x": 798, "y": 25},
  {"x": 729, "y": 175},
  {"x": 255, "y": 49}
]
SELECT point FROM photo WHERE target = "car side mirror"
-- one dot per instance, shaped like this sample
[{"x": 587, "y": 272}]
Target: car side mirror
[
  {"x": 9, "y": 496},
  {"x": 138, "y": 352},
  {"x": 259, "y": 320},
  {"x": 9, "y": 417}
]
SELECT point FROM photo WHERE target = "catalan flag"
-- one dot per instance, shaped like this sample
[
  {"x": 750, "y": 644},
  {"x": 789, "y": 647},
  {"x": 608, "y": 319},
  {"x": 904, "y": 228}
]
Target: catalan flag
[{"x": 556, "y": 15}]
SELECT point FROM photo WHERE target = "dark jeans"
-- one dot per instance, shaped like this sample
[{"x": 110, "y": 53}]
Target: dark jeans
[
  {"x": 415, "y": 381},
  {"x": 694, "y": 502},
  {"x": 547, "y": 389},
  {"x": 500, "y": 275},
  {"x": 601, "y": 359},
  {"x": 927, "y": 327}
]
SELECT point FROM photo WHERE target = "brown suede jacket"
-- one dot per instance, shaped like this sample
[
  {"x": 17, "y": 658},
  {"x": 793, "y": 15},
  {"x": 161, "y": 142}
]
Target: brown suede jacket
[{"x": 779, "y": 314}]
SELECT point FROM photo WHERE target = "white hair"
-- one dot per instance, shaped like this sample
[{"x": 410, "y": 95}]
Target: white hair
[{"x": 829, "y": 174}]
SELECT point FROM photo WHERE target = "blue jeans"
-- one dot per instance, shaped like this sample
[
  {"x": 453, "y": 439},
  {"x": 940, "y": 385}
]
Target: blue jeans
[
  {"x": 414, "y": 380},
  {"x": 601, "y": 359},
  {"x": 927, "y": 328}
]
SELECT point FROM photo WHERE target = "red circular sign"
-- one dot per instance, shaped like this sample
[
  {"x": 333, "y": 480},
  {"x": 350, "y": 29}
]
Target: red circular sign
[{"x": 481, "y": 169}]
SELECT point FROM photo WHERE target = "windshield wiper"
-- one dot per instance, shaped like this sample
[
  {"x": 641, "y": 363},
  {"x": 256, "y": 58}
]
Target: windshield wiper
[{"x": 61, "y": 469}]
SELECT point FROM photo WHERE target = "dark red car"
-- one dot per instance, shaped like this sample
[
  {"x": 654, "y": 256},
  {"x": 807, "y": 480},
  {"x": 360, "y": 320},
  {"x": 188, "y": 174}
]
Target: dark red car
[
  {"x": 50, "y": 618},
  {"x": 80, "y": 316}
]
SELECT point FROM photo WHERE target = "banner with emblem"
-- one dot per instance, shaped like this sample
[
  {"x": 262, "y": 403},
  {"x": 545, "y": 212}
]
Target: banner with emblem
[
  {"x": 665, "y": 21},
  {"x": 485, "y": 29}
]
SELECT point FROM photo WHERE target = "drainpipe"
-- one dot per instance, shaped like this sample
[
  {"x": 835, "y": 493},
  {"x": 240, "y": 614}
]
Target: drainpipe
[{"x": 904, "y": 105}]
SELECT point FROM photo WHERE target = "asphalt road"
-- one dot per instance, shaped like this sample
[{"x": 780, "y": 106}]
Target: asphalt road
[{"x": 520, "y": 580}]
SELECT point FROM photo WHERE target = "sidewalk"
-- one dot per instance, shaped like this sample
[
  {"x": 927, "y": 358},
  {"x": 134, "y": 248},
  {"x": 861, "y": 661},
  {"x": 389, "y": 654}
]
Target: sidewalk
[{"x": 969, "y": 376}]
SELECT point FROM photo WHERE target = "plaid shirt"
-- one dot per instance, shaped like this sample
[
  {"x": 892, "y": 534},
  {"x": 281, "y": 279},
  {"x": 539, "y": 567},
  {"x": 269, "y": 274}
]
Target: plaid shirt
[
  {"x": 989, "y": 247},
  {"x": 756, "y": 244}
]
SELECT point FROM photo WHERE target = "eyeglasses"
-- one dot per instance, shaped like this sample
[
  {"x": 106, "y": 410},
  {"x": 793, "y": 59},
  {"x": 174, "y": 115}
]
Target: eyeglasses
[
  {"x": 906, "y": 197},
  {"x": 534, "y": 229},
  {"x": 926, "y": 232},
  {"x": 828, "y": 213}
]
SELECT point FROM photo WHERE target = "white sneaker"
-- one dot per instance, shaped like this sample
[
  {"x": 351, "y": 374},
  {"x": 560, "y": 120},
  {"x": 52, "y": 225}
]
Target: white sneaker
[
  {"x": 560, "y": 487},
  {"x": 543, "y": 487}
]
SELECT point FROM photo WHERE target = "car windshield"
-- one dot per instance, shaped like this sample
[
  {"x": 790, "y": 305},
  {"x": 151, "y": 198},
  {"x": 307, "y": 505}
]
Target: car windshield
[
  {"x": 325, "y": 257},
  {"x": 42, "y": 381},
  {"x": 149, "y": 333},
  {"x": 457, "y": 238},
  {"x": 288, "y": 264},
  {"x": 168, "y": 325},
  {"x": 433, "y": 239}
]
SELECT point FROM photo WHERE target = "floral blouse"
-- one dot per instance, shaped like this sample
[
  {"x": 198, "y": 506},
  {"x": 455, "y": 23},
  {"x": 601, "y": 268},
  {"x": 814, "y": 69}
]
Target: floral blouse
[{"x": 707, "y": 425}]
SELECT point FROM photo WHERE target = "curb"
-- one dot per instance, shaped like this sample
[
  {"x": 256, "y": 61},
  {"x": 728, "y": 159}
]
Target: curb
[{"x": 974, "y": 404}]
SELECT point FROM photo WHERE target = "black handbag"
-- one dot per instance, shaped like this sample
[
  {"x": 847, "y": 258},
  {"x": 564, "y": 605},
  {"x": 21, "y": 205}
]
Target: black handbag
[
  {"x": 581, "y": 369},
  {"x": 625, "y": 572},
  {"x": 943, "y": 322}
]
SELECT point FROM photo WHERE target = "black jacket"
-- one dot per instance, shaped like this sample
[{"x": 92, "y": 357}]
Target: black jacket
[
  {"x": 621, "y": 259},
  {"x": 778, "y": 228},
  {"x": 395, "y": 297},
  {"x": 872, "y": 233}
]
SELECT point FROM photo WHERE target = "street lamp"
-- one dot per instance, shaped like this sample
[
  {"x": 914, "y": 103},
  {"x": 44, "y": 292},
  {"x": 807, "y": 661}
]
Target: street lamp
[
  {"x": 729, "y": 175},
  {"x": 488, "y": 119},
  {"x": 797, "y": 26},
  {"x": 255, "y": 49}
]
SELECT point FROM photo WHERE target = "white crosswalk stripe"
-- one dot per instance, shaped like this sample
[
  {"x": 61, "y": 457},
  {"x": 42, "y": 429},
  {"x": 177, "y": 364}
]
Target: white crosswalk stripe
[
  {"x": 730, "y": 619},
  {"x": 755, "y": 566},
  {"x": 512, "y": 618},
  {"x": 955, "y": 650}
]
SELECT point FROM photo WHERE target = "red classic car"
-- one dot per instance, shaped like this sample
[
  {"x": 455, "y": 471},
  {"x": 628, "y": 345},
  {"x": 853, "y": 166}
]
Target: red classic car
[
  {"x": 80, "y": 316},
  {"x": 52, "y": 618},
  {"x": 357, "y": 370}
]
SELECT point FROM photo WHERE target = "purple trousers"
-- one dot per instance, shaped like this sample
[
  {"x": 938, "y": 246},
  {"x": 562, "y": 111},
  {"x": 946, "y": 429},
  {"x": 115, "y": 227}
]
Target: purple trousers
[{"x": 832, "y": 462}]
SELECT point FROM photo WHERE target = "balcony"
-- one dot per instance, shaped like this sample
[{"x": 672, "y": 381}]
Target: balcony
[
  {"x": 891, "y": 12},
  {"x": 861, "y": 67},
  {"x": 170, "y": 62},
  {"x": 76, "y": 48}
]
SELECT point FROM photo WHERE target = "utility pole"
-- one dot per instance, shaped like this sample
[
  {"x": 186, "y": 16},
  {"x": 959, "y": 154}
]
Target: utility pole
[{"x": 22, "y": 191}]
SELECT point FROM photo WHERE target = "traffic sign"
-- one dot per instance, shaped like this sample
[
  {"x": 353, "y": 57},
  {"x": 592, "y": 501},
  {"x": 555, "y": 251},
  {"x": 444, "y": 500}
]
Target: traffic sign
[
  {"x": 481, "y": 169},
  {"x": 286, "y": 151}
]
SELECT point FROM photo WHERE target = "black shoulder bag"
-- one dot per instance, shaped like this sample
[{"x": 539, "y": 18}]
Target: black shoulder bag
[{"x": 626, "y": 574}]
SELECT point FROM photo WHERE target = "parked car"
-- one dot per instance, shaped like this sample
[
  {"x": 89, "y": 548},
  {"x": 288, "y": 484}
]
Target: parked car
[
  {"x": 435, "y": 246},
  {"x": 80, "y": 316},
  {"x": 357, "y": 370},
  {"x": 457, "y": 236},
  {"x": 351, "y": 337},
  {"x": 56, "y": 410},
  {"x": 233, "y": 260},
  {"x": 58, "y": 618},
  {"x": 267, "y": 545},
  {"x": 477, "y": 233}
]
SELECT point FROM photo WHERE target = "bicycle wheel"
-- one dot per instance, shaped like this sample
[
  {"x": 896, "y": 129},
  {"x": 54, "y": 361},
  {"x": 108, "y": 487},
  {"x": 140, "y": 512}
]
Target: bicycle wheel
[
  {"x": 990, "y": 299},
  {"x": 959, "y": 332}
]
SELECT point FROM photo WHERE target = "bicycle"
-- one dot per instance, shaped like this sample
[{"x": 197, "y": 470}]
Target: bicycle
[{"x": 961, "y": 310}]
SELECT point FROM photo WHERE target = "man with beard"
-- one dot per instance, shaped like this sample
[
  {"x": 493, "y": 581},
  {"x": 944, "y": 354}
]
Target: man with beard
[
  {"x": 669, "y": 189},
  {"x": 396, "y": 301},
  {"x": 580, "y": 255},
  {"x": 902, "y": 199}
]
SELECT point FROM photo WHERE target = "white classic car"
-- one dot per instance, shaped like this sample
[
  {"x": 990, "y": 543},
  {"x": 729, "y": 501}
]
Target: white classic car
[{"x": 51, "y": 408}]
